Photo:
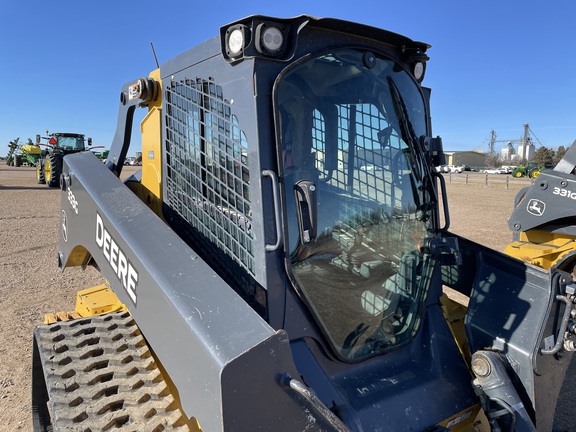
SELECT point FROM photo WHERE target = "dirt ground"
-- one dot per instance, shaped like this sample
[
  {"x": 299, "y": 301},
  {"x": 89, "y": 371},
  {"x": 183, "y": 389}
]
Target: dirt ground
[{"x": 31, "y": 283}]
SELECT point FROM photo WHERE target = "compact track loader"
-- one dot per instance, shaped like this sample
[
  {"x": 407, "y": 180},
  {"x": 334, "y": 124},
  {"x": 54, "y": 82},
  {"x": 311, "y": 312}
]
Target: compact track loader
[{"x": 259, "y": 279}]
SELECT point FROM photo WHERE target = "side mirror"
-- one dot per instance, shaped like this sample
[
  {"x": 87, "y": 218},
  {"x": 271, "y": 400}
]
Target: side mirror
[
  {"x": 89, "y": 141},
  {"x": 38, "y": 139},
  {"x": 435, "y": 150}
]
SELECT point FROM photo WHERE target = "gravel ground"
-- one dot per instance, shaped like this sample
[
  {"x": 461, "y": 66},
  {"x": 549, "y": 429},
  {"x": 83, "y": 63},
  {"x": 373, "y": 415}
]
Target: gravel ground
[{"x": 31, "y": 283}]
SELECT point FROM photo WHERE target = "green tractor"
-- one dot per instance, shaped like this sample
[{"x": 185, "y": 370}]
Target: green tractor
[
  {"x": 60, "y": 144},
  {"x": 531, "y": 169}
]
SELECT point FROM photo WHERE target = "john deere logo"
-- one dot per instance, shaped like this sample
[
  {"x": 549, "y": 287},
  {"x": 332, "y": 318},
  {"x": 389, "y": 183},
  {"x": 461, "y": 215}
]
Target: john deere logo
[{"x": 536, "y": 207}]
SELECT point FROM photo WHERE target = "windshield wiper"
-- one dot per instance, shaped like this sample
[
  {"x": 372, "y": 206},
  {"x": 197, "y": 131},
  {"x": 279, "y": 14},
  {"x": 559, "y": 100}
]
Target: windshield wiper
[
  {"x": 406, "y": 128},
  {"x": 408, "y": 135}
]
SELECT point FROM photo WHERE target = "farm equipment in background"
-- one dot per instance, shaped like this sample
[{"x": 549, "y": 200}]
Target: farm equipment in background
[
  {"x": 102, "y": 155},
  {"x": 531, "y": 170},
  {"x": 259, "y": 279},
  {"x": 59, "y": 144},
  {"x": 12, "y": 151},
  {"x": 27, "y": 154}
]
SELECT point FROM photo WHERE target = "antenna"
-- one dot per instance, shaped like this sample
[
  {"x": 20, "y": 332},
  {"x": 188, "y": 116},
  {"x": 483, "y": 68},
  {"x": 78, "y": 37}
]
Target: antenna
[{"x": 154, "y": 52}]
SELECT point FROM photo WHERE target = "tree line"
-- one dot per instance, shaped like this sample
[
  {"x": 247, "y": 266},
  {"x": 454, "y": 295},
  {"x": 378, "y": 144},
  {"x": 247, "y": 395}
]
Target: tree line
[{"x": 548, "y": 157}]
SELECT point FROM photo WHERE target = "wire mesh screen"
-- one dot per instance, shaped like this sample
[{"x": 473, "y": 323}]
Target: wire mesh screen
[
  {"x": 361, "y": 170},
  {"x": 207, "y": 177}
]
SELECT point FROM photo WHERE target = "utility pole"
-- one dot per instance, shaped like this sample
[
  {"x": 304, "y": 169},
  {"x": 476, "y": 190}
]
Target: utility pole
[{"x": 492, "y": 142}]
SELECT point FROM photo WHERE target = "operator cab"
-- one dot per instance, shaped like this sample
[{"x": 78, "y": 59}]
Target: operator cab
[
  {"x": 69, "y": 142},
  {"x": 353, "y": 234}
]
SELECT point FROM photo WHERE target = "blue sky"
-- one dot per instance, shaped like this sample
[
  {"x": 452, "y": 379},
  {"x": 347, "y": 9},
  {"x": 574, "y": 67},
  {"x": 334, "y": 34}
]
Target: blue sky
[{"x": 495, "y": 65}]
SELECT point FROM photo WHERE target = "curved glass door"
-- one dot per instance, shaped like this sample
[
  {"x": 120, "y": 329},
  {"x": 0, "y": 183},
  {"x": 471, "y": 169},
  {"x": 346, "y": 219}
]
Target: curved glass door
[{"x": 349, "y": 124}]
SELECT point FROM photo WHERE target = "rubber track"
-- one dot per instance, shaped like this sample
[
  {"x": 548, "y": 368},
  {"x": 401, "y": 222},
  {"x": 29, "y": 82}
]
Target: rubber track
[{"x": 100, "y": 376}]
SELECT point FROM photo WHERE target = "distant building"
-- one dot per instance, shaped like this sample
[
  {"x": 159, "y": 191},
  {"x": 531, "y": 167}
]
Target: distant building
[
  {"x": 526, "y": 150},
  {"x": 508, "y": 153},
  {"x": 475, "y": 159}
]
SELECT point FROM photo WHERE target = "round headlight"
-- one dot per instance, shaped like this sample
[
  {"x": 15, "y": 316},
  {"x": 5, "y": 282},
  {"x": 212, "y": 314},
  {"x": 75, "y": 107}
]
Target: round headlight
[
  {"x": 419, "y": 70},
  {"x": 272, "y": 39},
  {"x": 236, "y": 41}
]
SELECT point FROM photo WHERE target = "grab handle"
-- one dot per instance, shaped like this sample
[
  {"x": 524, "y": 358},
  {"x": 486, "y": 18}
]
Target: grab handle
[
  {"x": 277, "y": 217},
  {"x": 444, "y": 201}
]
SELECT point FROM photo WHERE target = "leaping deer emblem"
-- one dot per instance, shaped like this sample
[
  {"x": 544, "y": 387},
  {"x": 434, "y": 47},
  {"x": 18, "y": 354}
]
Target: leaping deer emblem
[{"x": 536, "y": 207}]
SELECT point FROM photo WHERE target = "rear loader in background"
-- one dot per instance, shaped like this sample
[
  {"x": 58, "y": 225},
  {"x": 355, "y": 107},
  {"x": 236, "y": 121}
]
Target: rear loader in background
[
  {"x": 259, "y": 279},
  {"x": 543, "y": 222}
]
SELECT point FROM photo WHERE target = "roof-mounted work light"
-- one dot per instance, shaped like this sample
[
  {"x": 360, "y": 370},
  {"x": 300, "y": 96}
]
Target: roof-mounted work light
[
  {"x": 235, "y": 40},
  {"x": 418, "y": 60},
  {"x": 260, "y": 36},
  {"x": 419, "y": 69},
  {"x": 270, "y": 39}
]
